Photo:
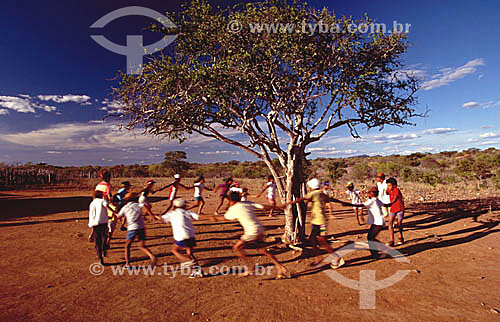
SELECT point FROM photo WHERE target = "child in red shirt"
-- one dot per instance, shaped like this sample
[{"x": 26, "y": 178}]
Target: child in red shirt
[{"x": 397, "y": 209}]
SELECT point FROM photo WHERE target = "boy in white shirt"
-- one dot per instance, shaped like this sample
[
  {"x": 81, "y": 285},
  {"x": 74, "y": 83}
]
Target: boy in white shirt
[
  {"x": 98, "y": 223},
  {"x": 382, "y": 192},
  {"x": 356, "y": 200},
  {"x": 184, "y": 236},
  {"x": 253, "y": 232},
  {"x": 375, "y": 220},
  {"x": 270, "y": 187},
  {"x": 132, "y": 211}
]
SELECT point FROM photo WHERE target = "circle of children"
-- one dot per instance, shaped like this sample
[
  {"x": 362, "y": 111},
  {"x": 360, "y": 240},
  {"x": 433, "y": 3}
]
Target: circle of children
[{"x": 385, "y": 202}]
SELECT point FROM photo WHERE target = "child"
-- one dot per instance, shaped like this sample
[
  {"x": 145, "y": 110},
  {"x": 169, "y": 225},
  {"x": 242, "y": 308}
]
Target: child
[
  {"x": 114, "y": 206},
  {"x": 236, "y": 187},
  {"x": 105, "y": 187},
  {"x": 382, "y": 192},
  {"x": 174, "y": 186},
  {"x": 184, "y": 237},
  {"x": 253, "y": 232},
  {"x": 270, "y": 187},
  {"x": 397, "y": 209},
  {"x": 98, "y": 223},
  {"x": 199, "y": 186},
  {"x": 355, "y": 200},
  {"x": 244, "y": 194},
  {"x": 319, "y": 222},
  {"x": 224, "y": 190},
  {"x": 123, "y": 191},
  {"x": 132, "y": 212},
  {"x": 326, "y": 191},
  {"x": 375, "y": 219},
  {"x": 144, "y": 193}
]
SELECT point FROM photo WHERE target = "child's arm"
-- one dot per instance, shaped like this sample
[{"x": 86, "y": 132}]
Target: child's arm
[
  {"x": 165, "y": 187},
  {"x": 261, "y": 192},
  {"x": 148, "y": 211},
  {"x": 187, "y": 188}
]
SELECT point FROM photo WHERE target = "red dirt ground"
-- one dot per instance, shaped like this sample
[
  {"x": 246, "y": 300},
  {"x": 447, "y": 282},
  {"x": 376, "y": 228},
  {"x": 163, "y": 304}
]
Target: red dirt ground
[{"x": 453, "y": 249}]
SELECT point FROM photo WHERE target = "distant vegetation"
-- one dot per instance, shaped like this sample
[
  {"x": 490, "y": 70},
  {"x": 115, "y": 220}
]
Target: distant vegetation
[{"x": 480, "y": 166}]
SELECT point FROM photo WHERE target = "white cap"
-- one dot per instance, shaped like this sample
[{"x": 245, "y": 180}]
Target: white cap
[
  {"x": 313, "y": 183},
  {"x": 177, "y": 176},
  {"x": 179, "y": 203}
]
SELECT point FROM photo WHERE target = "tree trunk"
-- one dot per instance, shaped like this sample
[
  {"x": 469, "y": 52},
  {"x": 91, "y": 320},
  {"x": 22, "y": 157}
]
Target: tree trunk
[{"x": 295, "y": 215}]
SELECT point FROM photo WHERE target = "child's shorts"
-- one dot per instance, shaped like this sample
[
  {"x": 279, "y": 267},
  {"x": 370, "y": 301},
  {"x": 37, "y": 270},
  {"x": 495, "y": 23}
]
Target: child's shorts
[
  {"x": 318, "y": 231},
  {"x": 253, "y": 238},
  {"x": 140, "y": 233},
  {"x": 400, "y": 214},
  {"x": 186, "y": 243},
  {"x": 198, "y": 198}
]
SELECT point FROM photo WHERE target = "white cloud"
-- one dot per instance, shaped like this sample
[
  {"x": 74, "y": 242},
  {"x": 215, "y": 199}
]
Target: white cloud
[
  {"x": 79, "y": 136},
  {"x": 154, "y": 149},
  {"x": 23, "y": 104},
  {"x": 220, "y": 152},
  {"x": 4, "y": 112},
  {"x": 80, "y": 99},
  {"x": 112, "y": 106},
  {"x": 54, "y": 152},
  {"x": 18, "y": 104},
  {"x": 475, "y": 104},
  {"x": 439, "y": 130},
  {"x": 448, "y": 75},
  {"x": 471, "y": 105},
  {"x": 489, "y": 135}
]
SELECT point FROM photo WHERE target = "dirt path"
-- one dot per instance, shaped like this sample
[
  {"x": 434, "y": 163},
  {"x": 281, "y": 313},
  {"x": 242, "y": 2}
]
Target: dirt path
[{"x": 453, "y": 251}]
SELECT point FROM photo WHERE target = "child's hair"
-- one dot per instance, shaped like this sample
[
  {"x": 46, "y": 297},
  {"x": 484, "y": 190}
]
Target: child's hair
[
  {"x": 245, "y": 189},
  {"x": 235, "y": 196},
  {"x": 392, "y": 181},
  {"x": 97, "y": 194},
  {"x": 374, "y": 190},
  {"x": 115, "y": 199},
  {"x": 269, "y": 178},
  {"x": 104, "y": 174},
  {"x": 229, "y": 180},
  {"x": 199, "y": 179}
]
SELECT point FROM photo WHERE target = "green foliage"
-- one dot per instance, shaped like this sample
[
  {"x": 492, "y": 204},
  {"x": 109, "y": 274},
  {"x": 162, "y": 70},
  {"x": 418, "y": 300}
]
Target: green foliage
[
  {"x": 362, "y": 171},
  {"x": 175, "y": 162},
  {"x": 336, "y": 169}
]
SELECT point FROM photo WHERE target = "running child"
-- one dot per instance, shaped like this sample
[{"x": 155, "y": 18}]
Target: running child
[
  {"x": 184, "y": 236},
  {"x": 199, "y": 186},
  {"x": 144, "y": 194},
  {"x": 123, "y": 191},
  {"x": 112, "y": 221},
  {"x": 224, "y": 190},
  {"x": 355, "y": 197},
  {"x": 397, "y": 209},
  {"x": 327, "y": 192},
  {"x": 270, "y": 187},
  {"x": 174, "y": 187},
  {"x": 253, "y": 232},
  {"x": 375, "y": 220},
  {"x": 98, "y": 223},
  {"x": 244, "y": 194},
  {"x": 382, "y": 192},
  {"x": 105, "y": 187},
  {"x": 132, "y": 212},
  {"x": 319, "y": 222}
]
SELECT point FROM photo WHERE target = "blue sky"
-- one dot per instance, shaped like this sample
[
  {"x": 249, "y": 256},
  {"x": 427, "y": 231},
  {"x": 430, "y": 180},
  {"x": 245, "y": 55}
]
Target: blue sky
[{"x": 56, "y": 81}]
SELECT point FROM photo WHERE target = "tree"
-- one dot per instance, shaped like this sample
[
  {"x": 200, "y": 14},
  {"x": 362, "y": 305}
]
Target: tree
[
  {"x": 336, "y": 169},
  {"x": 282, "y": 90},
  {"x": 175, "y": 162}
]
